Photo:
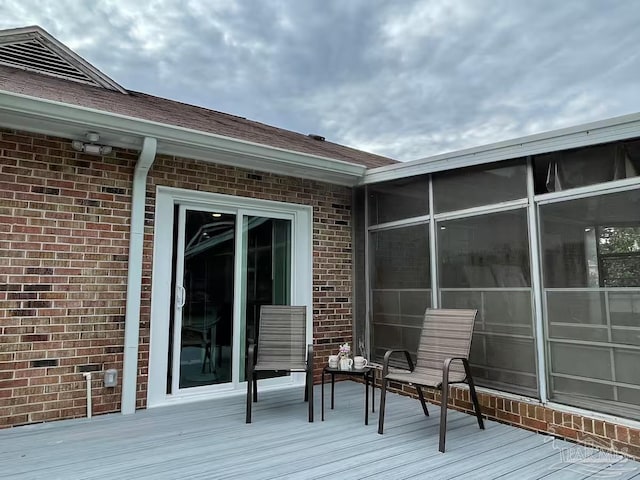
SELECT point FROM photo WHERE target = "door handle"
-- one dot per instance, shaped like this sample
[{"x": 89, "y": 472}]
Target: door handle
[{"x": 181, "y": 296}]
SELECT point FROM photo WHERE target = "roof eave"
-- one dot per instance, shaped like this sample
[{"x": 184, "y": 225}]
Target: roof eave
[{"x": 71, "y": 121}]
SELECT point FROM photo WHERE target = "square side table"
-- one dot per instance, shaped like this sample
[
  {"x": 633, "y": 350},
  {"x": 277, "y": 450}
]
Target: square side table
[{"x": 369, "y": 375}]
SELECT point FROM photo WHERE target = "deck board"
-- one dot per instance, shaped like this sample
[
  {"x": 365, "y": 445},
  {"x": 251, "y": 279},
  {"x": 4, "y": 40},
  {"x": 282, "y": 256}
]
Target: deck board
[{"x": 209, "y": 440}]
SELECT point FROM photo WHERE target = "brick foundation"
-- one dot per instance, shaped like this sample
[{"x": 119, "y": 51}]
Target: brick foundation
[{"x": 538, "y": 418}]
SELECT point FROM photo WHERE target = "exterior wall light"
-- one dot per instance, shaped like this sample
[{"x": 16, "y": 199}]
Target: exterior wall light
[{"x": 92, "y": 148}]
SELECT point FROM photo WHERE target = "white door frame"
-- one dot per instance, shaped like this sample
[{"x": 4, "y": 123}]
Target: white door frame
[{"x": 301, "y": 282}]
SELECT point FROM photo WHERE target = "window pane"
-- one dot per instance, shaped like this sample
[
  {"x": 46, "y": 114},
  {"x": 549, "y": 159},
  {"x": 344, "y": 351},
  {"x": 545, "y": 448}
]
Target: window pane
[
  {"x": 488, "y": 251},
  {"x": 591, "y": 265},
  {"x": 399, "y": 199},
  {"x": 483, "y": 185},
  {"x": 360, "y": 340},
  {"x": 484, "y": 264},
  {"x": 400, "y": 287},
  {"x": 586, "y": 166}
]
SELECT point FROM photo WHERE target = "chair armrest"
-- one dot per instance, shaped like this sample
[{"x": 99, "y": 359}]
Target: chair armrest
[
  {"x": 310, "y": 357},
  {"x": 387, "y": 356},
  {"x": 447, "y": 364},
  {"x": 251, "y": 356}
]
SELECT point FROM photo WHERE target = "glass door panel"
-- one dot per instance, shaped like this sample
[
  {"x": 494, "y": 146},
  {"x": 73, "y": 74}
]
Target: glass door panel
[
  {"x": 266, "y": 270},
  {"x": 210, "y": 307},
  {"x": 204, "y": 299}
]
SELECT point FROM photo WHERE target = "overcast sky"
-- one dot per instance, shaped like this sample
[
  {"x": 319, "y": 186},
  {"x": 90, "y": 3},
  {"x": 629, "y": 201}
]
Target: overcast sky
[{"x": 405, "y": 79}]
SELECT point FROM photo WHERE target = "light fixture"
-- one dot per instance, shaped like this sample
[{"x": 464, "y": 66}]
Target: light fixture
[
  {"x": 92, "y": 148},
  {"x": 216, "y": 215}
]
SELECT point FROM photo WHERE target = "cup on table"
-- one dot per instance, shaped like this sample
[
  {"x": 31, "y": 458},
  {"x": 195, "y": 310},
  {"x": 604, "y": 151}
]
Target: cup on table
[
  {"x": 359, "y": 362},
  {"x": 333, "y": 361},
  {"x": 346, "y": 363}
]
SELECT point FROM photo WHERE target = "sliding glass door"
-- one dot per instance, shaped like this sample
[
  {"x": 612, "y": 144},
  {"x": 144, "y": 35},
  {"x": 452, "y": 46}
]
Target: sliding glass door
[
  {"x": 227, "y": 264},
  {"x": 216, "y": 260}
]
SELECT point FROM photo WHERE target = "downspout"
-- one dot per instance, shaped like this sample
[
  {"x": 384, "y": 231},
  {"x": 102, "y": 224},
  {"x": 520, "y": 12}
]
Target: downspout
[{"x": 134, "y": 276}]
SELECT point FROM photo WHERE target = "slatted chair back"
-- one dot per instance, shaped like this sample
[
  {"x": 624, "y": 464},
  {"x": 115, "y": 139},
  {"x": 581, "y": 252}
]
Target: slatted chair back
[
  {"x": 445, "y": 333},
  {"x": 282, "y": 339}
]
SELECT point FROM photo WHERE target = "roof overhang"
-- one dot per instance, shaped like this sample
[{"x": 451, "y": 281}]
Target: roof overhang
[
  {"x": 22, "y": 112},
  {"x": 618, "y": 128}
]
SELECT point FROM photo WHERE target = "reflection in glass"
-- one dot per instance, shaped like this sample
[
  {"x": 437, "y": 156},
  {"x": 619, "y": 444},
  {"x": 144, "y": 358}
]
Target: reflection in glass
[
  {"x": 398, "y": 199},
  {"x": 588, "y": 165},
  {"x": 205, "y": 353},
  {"x": 591, "y": 264},
  {"x": 266, "y": 274},
  {"x": 400, "y": 287},
  {"x": 484, "y": 264},
  {"x": 482, "y": 185}
]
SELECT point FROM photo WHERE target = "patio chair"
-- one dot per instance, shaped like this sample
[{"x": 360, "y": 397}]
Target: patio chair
[
  {"x": 281, "y": 348},
  {"x": 442, "y": 359}
]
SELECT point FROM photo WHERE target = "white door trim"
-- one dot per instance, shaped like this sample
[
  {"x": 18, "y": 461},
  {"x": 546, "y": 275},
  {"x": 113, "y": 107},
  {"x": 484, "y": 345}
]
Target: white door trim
[{"x": 301, "y": 280}]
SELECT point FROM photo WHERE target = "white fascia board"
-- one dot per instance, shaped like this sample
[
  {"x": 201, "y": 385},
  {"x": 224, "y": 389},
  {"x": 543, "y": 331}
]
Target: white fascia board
[
  {"x": 174, "y": 140},
  {"x": 618, "y": 128}
]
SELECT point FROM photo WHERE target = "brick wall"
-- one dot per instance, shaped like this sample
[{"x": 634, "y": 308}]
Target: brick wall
[
  {"x": 63, "y": 254},
  {"x": 64, "y": 222},
  {"x": 534, "y": 416}
]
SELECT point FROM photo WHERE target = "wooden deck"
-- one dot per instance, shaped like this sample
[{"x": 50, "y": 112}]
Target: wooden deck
[{"x": 209, "y": 440}]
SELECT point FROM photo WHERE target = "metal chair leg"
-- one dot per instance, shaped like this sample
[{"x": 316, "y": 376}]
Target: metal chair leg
[
  {"x": 443, "y": 406},
  {"x": 309, "y": 394},
  {"x": 383, "y": 396},
  {"x": 474, "y": 395},
  {"x": 422, "y": 401},
  {"x": 249, "y": 395},
  {"x": 255, "y": 387}
]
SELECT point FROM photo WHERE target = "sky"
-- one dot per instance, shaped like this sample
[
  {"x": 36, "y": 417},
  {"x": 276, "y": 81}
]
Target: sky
[{"x": 406, "y": 78}]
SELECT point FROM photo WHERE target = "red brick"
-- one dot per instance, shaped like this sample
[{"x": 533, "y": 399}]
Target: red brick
[
  {"x": 622, "y": 433},
  {"x": 626, "y": 449},
  {"x": 509, "y": 417},
  {"x": 535, "y": 424}
]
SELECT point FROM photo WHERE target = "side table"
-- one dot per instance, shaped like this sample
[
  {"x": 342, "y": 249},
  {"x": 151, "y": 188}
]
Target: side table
[{"x": 369, "y": 375}]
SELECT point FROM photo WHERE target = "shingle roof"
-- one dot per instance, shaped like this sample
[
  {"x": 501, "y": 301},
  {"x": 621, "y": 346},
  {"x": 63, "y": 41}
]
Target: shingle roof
[{"x": 170, "y": 112}]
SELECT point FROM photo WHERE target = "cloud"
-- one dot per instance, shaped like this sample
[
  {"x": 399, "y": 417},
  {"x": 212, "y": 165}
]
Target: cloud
[{"x": 404, "y": 79}]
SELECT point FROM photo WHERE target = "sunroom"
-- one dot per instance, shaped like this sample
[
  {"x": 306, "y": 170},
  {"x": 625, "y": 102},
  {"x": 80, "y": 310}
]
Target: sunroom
[{"x": 541, "y": 235}]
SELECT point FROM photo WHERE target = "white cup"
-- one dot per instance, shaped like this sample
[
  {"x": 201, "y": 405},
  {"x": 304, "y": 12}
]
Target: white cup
[
  {"x": 333, "y": 361},
  {"x": 360, "y": 362},
  {"x": 346, "y": 363}
]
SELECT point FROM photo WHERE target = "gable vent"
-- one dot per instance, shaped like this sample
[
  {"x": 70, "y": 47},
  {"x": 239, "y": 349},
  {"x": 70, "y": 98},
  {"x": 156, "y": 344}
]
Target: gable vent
[
  {"x": 34, "y": 56},
  {"x": 33, "y": 49}
]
